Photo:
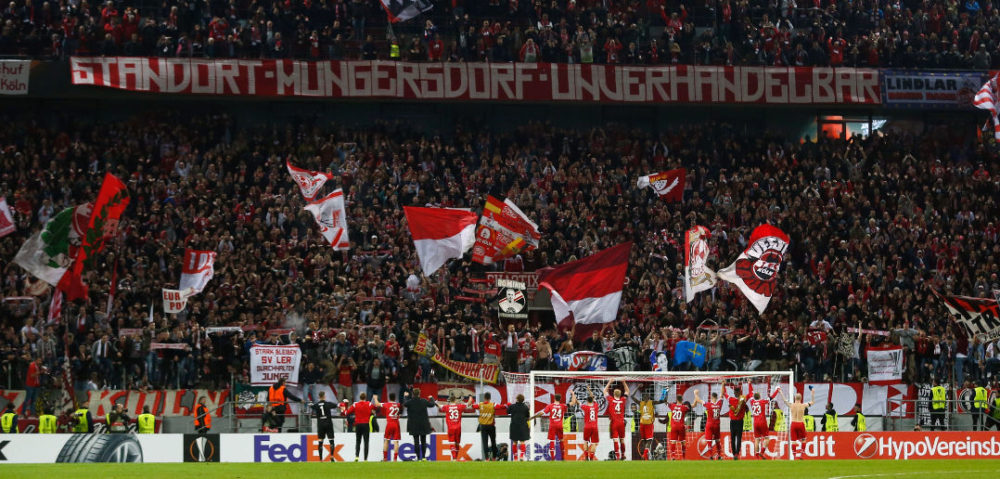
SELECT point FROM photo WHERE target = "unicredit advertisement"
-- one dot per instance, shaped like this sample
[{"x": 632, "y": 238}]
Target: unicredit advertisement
[{"x": 866, "y": 445}]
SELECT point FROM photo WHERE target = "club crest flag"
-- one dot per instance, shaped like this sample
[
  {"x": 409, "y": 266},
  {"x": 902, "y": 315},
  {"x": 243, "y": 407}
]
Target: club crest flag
[
  {"x": 440, "y": 234},
  {"x": 755, "y": 271},
  {"x": 331, "y": 216},
  {"x": 108, "y": 209},
  {"x": 697, "y": 276},
  {"x": 197, "y": 270},
  {"x": 48, "y": 253},
  {"x": 669, "y": 185},
  {"x": 309, "y": 182},
  {"x": 503, "y": 231},
  {"x": 6, "y": 220}
]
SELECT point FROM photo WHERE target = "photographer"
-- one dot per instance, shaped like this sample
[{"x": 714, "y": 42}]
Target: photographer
[{"x": 117, "y": 420}]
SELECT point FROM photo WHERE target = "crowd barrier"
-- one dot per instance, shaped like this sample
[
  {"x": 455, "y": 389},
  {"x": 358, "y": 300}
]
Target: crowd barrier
[{"x": 248, "y": 448}]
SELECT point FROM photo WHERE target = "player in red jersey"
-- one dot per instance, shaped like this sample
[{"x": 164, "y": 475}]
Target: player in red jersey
[
  {"x": 362, "y": 411},
  {"x": 453, "y": 418},
  {"x": 391, "y": 412},
  {"x": 713, "y": 426},
  {"x": 737, "y": 409},
  {"x": 759, "y": 412},
  {"x": 590, "y": 435},
  {"x": 616, "y": 411},
  {"x": 555, "y": 411},
  {"x": 796, "y": 414},
  {"x": 678, "y": 427}
]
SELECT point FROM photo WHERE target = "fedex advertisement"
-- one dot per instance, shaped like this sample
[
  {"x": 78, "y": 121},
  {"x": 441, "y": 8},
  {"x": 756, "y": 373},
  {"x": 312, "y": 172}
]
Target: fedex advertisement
[{"x": 305, "y": 448}]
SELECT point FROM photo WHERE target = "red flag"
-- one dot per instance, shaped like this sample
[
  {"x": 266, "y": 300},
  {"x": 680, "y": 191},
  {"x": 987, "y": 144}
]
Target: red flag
[
  {"x": 587, "y": 291},
  {"x": 111, "y": 203},
  {"x": 668, "y": 184}
]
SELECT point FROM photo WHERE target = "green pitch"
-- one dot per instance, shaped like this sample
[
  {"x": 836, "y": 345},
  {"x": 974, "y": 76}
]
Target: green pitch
[{"x": 930, "y": 469}]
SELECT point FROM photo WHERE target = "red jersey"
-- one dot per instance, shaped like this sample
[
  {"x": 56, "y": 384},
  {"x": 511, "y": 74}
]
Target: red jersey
[
  {"x": 677, "y": 412},
  {"x": 589, "y": 415},
  {"x": 391, "y": 412},
  {"x": 736, "y": 410},
  {"x": 555, "y": 413},
  {"x": 712, "y": 411},
  {"x": 759, "y": 411},
  {"x": 616, "y": 409},
  {"x": 453, "y": 415},
  {"x": 362, "y": 412}
]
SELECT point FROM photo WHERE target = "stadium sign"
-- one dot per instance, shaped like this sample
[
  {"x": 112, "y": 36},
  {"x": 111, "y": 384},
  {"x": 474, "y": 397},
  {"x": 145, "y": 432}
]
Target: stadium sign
[
  {"x": 533, "y": 82},
  {"x": 902, "y": 88}
]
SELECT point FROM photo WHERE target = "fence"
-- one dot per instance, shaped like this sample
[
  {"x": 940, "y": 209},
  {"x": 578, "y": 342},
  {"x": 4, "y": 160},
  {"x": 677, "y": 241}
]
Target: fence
[{"x": 957, "y": 415}]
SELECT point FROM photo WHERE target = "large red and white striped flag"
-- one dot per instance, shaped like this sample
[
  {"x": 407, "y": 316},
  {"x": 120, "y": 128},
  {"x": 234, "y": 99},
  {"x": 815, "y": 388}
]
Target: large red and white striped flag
[
  {"x": 331, "y": 216},
  {"x": 309, "y": 182},
  {"x": 440, "y": 234},
  {"x": 755, "y": 271},
  {"x": 986, "y": 99},
  {"x": 587, "y": 292}
]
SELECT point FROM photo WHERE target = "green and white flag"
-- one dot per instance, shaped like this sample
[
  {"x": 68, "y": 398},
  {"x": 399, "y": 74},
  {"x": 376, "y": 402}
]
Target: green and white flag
[{"x": 49, "y": 253}]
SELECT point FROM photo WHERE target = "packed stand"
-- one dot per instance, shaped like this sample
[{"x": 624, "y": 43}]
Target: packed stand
[
  {"x": 875, "y": 224},
  {"x": 930, "y": 34}
]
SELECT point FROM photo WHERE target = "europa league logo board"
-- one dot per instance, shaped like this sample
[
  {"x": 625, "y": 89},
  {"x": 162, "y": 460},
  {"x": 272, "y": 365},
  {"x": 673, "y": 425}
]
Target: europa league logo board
[{"x": 511, "y": 300}]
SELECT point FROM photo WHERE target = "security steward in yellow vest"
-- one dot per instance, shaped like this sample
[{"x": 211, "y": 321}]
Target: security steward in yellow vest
[
  {"x": 993, "y": 420},
  {"x": 8, "y": 421},
  {"x": 47, "y": 423},
  {"x": 979, "y": 407},
  {"x": 394, "y": 49},
  {"x": 858, "y": 423},
  {"x": 810, "y": 423},
  {"x": 830, "y": 419},
  {"x": 939, "y": 404},
  {"x": 146, "y": 422},
  {"x": 84, "y": 421},
  {"x": 487, "y": 427},
  {"x": 778, "y": 418}
]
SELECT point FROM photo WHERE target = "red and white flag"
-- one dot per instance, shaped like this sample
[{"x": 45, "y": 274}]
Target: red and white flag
[
  {"x": 587, "y": 292},
  {"x": 440, "y": 234},
  {"x": 198, "y": 269},
  {"x": 309, "y": 181},
  {"x": 986, "y": 99},
  {"x": 6, "y": 220},
  {"x": 55, "y": 307},
  {"x": 697, "y": 276},
  {"x": 755, "y": 271},
  {"x": 668, "y": 184},
  {"x": 331, "y": 216},
  {"x": 504, "y": 231}
]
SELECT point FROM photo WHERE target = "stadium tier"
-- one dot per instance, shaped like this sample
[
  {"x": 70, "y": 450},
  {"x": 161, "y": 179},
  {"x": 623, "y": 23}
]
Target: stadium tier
[{"x": 328, "y": 231}]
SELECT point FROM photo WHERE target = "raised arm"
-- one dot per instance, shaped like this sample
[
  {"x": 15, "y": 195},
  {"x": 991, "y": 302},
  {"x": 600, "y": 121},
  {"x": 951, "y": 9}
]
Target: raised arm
[
  {"x": 776, "y": 391},
  {"x": 572, "y": 399},
  {"x": 625, "y": 383},
  {"x": 697, "y": 398},
  {"x": 812, "y": 397},
  {"x": 607, "y": 389},
  {"x": 375, "y": 401}
]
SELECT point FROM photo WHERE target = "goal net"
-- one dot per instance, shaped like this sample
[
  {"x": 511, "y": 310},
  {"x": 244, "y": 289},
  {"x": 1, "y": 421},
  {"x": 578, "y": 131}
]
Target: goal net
[{"x": 658, "y": 391}]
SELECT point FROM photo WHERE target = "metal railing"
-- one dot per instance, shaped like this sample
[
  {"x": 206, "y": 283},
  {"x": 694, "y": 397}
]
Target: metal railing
[{"x": 957, "y": 415}]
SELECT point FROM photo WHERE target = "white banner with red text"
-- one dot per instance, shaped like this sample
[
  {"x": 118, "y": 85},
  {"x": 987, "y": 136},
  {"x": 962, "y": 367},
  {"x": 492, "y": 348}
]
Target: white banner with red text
[
  {"x": 483, "y": 81},
  {"x": 269, "y": 363}
]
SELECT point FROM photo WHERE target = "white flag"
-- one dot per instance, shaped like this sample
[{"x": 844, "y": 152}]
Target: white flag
[
  {"x": 331, "y": 216},
  {"x": 309, "y": 181},
  {"x": 6, "y": 220},
  {"x": 198, "y": 269},
  {"x": 55, "y": 307},
  {"x": 755, "y": 271},
  {"x": 175, "y": 300}
]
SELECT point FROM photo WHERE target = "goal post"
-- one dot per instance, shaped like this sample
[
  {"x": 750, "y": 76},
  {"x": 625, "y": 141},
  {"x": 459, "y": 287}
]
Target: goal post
[{"x": 540, "y": 387}]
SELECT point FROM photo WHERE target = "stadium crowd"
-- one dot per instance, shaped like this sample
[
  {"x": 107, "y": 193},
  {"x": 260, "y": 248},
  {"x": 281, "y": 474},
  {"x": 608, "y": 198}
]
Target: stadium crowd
[
  {"x": 927, "y": 34},
  {"x": 875, "y": 224}
]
